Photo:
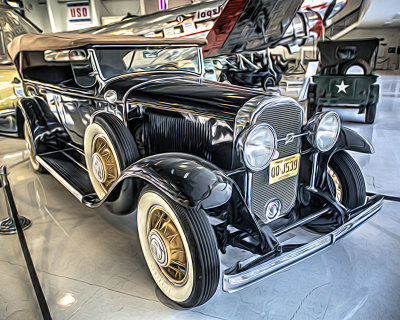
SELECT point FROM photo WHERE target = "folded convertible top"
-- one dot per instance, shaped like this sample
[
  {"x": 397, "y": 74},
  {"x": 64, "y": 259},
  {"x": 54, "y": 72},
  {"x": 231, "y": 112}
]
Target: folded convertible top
[{"x": 61, "y": 41}]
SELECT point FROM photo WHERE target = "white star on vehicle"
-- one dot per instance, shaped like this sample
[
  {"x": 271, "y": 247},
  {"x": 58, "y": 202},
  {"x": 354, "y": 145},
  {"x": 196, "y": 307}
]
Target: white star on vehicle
[{"x": 342, "y": 87}]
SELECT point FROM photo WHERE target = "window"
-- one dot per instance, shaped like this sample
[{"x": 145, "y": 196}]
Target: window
[{"x": 114, "y": 62}]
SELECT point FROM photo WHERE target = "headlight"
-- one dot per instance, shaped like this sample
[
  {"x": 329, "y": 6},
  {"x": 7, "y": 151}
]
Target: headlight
[
  {"x": 324, "y": 130},
  {"x": 259, "y": 146}
]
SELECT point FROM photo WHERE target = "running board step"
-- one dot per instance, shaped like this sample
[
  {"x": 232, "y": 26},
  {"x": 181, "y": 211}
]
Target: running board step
[{"x": 68, "y": 173}]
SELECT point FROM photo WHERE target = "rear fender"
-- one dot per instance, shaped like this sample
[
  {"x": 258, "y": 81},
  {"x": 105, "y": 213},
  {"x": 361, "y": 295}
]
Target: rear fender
[
  {"x": 186, "y": 179},
  {"x": 42, "y": 123}
]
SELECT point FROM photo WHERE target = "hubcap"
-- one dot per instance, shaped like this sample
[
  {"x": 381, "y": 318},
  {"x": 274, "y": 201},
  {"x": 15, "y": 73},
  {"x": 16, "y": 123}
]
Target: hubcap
[
  {"x": 104, "y": 163},
  {"x": 166, "y": 246},
  {"x": 98, "y": 168},
  {"x": 158, "y": 248}
]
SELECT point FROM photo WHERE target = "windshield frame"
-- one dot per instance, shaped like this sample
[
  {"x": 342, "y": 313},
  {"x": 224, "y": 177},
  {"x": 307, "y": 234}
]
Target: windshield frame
[{"x": 104, "y": 80}]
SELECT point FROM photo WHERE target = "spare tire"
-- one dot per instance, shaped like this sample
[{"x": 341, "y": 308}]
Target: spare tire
[{"x": 359, "y": 62}]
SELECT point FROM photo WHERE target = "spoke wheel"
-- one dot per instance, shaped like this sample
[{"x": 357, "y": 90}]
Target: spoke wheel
[
  {"x": 180, "y": 248},
  {"x": 166, "y": 246},
  {"x": 337, "y": 184},
  {"x": 104, "y": 162},
  {"x": 109, "y": 149}
]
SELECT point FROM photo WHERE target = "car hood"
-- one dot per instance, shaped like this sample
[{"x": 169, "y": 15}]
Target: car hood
[{"x": 185, "y": 91}]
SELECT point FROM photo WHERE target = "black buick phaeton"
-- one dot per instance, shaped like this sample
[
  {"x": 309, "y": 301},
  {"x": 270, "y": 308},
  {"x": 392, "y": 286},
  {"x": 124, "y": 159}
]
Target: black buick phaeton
[{"x": 131, "y": 123}]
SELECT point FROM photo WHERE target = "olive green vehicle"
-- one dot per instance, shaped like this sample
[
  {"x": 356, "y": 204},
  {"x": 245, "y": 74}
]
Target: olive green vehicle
[
  {"x": 346, "y": 78},
  {"x": 12, "y": 24}
]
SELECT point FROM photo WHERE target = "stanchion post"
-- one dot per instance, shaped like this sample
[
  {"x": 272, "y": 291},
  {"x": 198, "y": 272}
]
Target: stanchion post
[{"x": 7, "y": 225}]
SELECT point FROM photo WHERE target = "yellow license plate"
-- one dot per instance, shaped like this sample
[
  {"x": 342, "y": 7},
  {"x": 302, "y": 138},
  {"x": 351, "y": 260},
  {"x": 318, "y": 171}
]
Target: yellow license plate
[{"x": 284, "y": 168}]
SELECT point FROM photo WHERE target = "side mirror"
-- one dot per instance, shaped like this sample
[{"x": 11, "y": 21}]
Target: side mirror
[{"x": 16, "y": 81}]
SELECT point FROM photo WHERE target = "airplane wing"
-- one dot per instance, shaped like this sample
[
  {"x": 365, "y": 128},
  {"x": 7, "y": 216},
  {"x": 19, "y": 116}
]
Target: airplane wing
[{"x": 250, "y": 25}]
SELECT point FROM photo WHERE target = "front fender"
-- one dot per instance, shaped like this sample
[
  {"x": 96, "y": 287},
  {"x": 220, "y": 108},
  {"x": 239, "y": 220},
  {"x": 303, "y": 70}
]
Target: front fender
[
  {"x": 352, "y": 141},
  {"x": 348, "y": 140},
  {"x": 186, "y": 179}
]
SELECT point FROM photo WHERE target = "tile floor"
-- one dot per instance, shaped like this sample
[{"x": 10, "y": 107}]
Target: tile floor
[{"x": 90, "y": 264}]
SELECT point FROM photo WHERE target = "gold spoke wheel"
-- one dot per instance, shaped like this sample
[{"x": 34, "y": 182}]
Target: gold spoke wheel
[
  {"x": 337, "y": 184},
  {"x": 166, "y": 246},
  {"x": 104, "y": 162}
]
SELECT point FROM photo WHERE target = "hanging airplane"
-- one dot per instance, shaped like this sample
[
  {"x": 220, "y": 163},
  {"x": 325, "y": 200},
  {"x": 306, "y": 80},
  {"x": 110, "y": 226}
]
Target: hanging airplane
[{"x": 237, "y": 29}]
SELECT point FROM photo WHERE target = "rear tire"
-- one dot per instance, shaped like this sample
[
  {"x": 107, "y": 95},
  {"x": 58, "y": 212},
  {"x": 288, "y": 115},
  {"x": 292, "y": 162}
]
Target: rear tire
[
  {"x": 180, "y": 248},
  {"x": 370, "y": 113},
  {"x": 31, "y": 149}
]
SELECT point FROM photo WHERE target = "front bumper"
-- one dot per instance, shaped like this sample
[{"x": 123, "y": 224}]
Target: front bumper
[{"x": 234, "y": 281}]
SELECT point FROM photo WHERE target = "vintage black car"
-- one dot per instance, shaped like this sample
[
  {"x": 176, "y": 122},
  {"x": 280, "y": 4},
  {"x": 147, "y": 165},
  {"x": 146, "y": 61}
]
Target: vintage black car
[
  {"x": 130, "y": 123},
  {"x": 346, "y": 78}
]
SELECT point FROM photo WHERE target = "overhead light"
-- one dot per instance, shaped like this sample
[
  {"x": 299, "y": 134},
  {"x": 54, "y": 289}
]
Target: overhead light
[{"x": 13, "y": 4}]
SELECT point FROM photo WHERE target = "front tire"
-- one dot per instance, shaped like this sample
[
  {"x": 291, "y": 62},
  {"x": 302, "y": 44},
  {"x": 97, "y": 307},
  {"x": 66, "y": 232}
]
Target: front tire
[
  {"x": 348, "y": 180},
  {"x": 180, "y": 248}
]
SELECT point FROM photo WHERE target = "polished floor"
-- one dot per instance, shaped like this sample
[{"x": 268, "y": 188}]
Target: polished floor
[{"x": 90, "y": 264}]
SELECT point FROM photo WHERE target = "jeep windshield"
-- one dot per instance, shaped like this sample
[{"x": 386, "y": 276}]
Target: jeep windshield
[{"x": 113, "y": 62}]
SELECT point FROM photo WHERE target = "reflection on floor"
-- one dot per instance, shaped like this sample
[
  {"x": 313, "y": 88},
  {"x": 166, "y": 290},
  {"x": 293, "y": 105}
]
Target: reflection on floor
[{"x": 90, "y": 265}]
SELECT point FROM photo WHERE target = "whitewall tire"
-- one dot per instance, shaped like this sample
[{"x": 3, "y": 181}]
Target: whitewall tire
[
  {"x": 179, "y": 247},
  {"x": 109, "y": 149},
  {"x": 31, "y": 149}
]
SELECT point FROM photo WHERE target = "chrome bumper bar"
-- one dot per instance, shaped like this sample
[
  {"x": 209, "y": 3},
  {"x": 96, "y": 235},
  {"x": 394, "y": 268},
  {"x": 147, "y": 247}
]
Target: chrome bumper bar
[{"x": 236, "y": 281}]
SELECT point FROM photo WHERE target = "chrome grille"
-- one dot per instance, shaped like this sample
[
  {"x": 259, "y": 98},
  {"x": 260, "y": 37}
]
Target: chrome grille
[{"x": 284, "y": 118}]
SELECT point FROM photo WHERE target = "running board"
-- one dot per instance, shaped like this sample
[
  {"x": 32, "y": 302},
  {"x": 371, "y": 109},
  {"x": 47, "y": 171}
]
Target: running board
[{"x": 72, "y": 176}]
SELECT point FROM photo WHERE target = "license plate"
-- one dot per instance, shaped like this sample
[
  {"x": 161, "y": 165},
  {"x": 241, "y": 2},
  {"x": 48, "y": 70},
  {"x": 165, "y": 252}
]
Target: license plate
[{"x": 284, "y": 168}]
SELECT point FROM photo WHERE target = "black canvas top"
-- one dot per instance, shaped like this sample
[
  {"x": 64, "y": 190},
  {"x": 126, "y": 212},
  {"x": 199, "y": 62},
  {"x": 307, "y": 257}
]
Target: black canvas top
[{"x": 338, "y": 52}]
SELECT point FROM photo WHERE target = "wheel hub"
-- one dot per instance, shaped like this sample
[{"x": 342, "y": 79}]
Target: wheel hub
[
  {"x": 98, "y": 168},
  {"x": 104, "y": 163},
  {"x": 166, "y": 246},
  {"x": 158, "y": 248}
]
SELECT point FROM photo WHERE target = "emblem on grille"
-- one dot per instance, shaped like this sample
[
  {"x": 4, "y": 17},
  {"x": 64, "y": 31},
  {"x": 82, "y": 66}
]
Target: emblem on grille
[
  {"x": 273, "y": 209},
  {"x": 290, "y": 137}
]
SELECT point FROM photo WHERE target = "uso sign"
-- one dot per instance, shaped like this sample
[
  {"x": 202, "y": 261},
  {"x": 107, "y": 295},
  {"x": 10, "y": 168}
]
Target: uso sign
[{"x": 79, "y": 12}]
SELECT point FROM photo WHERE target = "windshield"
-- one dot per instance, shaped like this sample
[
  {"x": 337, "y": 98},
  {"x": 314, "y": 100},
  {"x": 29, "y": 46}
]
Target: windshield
[{"x": 114, "y": 62}]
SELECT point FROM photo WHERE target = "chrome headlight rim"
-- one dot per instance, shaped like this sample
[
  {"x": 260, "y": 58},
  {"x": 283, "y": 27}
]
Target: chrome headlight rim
[
  {"x": 314, "y": 124},
  {"x": 243, "y": 138}
]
